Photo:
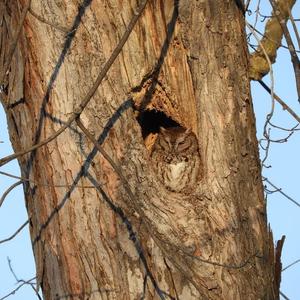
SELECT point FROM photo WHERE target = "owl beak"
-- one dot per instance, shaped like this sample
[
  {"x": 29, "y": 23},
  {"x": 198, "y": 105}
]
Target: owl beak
[
  {"x": 162, "y": 130},
  {"x": 188, "y": 131}
]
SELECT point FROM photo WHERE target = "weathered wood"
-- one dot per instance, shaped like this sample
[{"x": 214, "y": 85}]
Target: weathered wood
[{"x": 187, "y": 59}]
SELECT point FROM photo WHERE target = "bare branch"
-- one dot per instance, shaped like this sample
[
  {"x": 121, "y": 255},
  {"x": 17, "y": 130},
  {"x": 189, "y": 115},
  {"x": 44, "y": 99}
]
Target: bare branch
[
  {"x": 257, "y": 13},
  {"x": 13, "y": 176},
  {"x": 8, "y": 191},
  {"x": 116, "y": 168},
  {"x": 290, "y": 265},
  {"x": 247, "y": 4},
  {"x": 17, "y": 288},
  {"x": 261, "y": 34},
  {"x": 281, "y": 192},
  {"x": 91, "y": 92},
  {"x": 259, "y": 65},
  {"x": 270, "y": 114},
  {"x": 22, "y": 280},
  {"x": 41, "y": 19},
  {"x": 281, "y": 294},
  {"x": 233, "y": 267},
  {"x": 12, "y": 236},
  {"x": 11, "y": 269},
  {"x": 23, "y": 179},
  {"x": 295, "y": 28},
  {"x": 280, "y": 101},
  {"x": 294, "y": 128},
  {"x": 294, "y": 58}
]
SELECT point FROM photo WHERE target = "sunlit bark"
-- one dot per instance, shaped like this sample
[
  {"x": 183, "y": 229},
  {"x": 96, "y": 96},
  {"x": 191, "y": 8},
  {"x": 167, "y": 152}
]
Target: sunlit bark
[{"x": 188, "y": 60}]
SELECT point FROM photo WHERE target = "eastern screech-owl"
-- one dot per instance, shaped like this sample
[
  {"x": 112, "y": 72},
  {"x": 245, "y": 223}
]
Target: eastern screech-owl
[{"x": 176, "y": 158}]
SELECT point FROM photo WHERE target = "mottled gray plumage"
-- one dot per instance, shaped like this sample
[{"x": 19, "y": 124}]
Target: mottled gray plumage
[{"x": 176, "y": 159}]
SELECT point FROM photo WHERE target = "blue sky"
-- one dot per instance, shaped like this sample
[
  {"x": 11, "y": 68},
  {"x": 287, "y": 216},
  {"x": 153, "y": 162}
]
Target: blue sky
[
  {"x": 283, "y": 159},
  {"x": 283, "y": 215}
]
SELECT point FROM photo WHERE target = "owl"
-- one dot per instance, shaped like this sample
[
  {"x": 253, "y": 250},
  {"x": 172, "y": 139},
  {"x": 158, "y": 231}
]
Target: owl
[{"x": 176, "y": 159}]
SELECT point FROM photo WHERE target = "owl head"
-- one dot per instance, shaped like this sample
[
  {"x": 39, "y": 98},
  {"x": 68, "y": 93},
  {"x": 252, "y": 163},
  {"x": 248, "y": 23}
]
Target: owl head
[{"x": 176, "y": 140}]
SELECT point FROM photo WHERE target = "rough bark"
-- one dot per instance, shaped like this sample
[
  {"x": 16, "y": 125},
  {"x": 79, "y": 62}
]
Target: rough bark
[{"x": 187, "y": 59}]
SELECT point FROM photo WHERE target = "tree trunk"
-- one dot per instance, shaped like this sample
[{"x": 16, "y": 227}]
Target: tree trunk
[{"x": 184, "y": 64}]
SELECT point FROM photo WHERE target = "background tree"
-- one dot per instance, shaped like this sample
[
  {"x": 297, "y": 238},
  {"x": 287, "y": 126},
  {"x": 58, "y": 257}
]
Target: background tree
[{"x": 171, "y": 77}]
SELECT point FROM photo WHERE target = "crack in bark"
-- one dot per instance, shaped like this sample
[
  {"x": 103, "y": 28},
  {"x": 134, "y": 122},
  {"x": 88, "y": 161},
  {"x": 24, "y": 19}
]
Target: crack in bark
[
  {"x": 157, "y": 68},
  {"x": 172, "y": 279}
]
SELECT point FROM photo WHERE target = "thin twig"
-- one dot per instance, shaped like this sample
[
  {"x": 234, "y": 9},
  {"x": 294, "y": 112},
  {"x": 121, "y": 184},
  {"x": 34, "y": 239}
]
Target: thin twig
[
  {"x": 267, "y": 37},
  {"x": 227, "y": 266},
  {"x": 290, "y": 265},
  {"x": 116, "y": 167},
  {"x": 247, "y": 5},
  {"x": 11, "y": 269},
  {"x": 91, "y": 92},
  {"x": 281, "y": 293},
  {"x": 294, "y": 128},
  {"x": 17, "y": 288},
  {"x": 289, "y": 41},
  {"x": 22, "y": 280},
  {"x": 281, "y": 192},
  {"x": 280, "y": 101},
  {"x": 14, "y": 176},
  {"x": 269, "y": 116},
  {"x": 23, "y": 179},
  {"x": 4, "y": 195},
  {"x": 257, "y": 12},
  {"x": 294, "y": 27},
  {"x": 282, "y": 140},
  {"x": 270, "y": 65},
  {"x": 41, "y": 19},
  {"x": 9, "y": 158},
  {"x": 12, "y": 236}
]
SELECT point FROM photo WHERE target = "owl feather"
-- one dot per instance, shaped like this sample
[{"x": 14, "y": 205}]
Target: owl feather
[{"x": 176, "y": 159}]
